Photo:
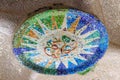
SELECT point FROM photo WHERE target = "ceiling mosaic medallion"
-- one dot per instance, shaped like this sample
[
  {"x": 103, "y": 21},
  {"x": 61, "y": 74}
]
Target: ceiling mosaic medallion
[{"x": 60, "y": 42}]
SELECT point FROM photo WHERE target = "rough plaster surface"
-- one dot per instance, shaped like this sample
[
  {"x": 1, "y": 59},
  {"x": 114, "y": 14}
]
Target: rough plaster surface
[
  {"x": 111, "y": 13},
  {"x": 14, "y": 12}
]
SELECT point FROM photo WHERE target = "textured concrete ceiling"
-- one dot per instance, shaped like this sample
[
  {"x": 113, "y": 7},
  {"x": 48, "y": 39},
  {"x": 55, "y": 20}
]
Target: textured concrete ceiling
[{"x": 14, "y": 12}]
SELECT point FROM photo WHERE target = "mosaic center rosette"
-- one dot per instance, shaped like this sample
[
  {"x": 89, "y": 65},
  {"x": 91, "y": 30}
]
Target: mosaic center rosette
[{"x": 60, "y": 42}]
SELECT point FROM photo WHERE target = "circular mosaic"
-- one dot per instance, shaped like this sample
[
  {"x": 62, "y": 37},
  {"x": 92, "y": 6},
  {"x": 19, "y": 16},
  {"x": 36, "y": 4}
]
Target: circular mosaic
[{"x": 60, "y": 42}]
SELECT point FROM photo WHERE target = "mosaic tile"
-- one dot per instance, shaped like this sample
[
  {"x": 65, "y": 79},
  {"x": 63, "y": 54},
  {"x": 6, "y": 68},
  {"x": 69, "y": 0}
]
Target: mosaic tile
[{"x": 60, "y": 42}]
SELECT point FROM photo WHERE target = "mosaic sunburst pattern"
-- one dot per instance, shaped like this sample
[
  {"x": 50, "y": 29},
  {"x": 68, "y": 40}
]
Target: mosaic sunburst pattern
[{"x": 60, "y": 42}]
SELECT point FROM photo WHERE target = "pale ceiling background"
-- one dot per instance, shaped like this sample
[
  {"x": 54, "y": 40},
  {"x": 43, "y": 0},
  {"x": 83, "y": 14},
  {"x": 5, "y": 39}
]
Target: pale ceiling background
[{"x": 14, "y": 12}]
